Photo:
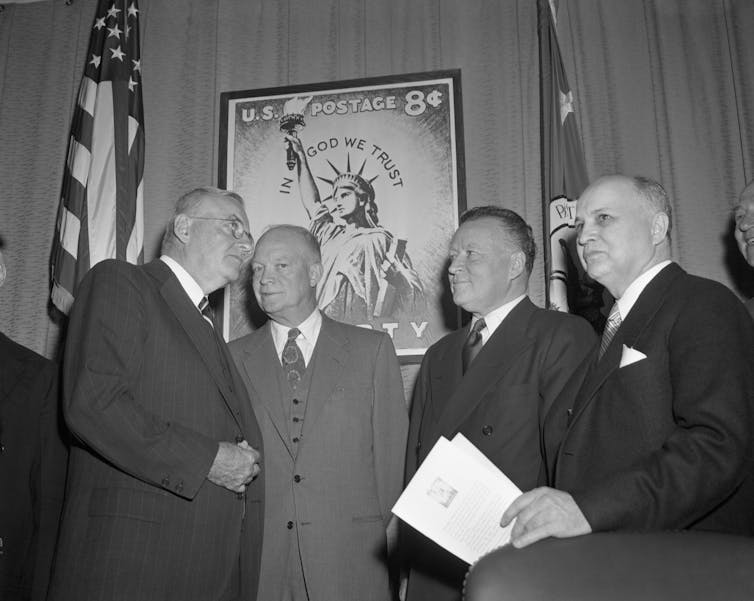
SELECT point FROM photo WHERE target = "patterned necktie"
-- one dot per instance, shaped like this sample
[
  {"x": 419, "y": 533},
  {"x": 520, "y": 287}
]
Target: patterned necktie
[
  {"x": 612, "y": 325},
  {"x": 293, "y": 359},
  {"x": 207, "y": 311},
  {"x": 473, "y": 344}
]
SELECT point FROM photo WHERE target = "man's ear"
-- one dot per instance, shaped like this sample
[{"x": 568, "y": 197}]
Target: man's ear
[
  {"x": 182, "y": 227},
  {"x": 315, "y": 273},
  {"x": 660, "y": 224},
  {"x": 517, "y": 265}
]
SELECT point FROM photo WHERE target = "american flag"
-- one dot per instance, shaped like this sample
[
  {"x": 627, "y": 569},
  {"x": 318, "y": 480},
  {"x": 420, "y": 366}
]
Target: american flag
[
  {"x": 564, "y": 178},
  {"x": 101, "y": 212}
]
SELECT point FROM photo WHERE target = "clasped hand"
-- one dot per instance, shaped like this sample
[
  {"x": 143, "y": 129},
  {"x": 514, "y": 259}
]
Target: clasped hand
[{"x": 235, "y": 465}]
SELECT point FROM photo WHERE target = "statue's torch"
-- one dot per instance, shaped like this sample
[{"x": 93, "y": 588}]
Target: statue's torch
[{"x": 291, "y": 123}]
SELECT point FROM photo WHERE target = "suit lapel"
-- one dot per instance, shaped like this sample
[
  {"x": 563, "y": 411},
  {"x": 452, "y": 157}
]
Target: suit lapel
[
  {"x": 263, "y": 380},
  {"x": 331, "y": 354},
  {"x": 641, "y": 314},
  {"x": 196, "y": 329},
  {"x": 491, "y": 365}
]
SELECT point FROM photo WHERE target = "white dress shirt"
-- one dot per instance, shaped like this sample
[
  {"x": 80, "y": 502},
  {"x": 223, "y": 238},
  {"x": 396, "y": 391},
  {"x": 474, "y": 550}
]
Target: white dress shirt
[
  {"x": 494, "y": 318},
  {"x": 631, "y": 295},
  {"x": 306, "y": 340}
]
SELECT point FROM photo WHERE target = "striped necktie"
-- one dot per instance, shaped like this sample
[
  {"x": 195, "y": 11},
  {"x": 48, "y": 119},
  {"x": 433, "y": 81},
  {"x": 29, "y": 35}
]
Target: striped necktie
[{"x": 611, "y": 327}]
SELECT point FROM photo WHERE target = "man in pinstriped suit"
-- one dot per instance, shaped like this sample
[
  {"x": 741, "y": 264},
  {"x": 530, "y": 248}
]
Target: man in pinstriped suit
[{"x": 157, "y": 504}]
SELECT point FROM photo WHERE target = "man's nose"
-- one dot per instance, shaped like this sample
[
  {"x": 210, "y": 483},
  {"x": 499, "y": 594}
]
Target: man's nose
[
  {"x": 456, "y": 264},
  {"x": 584, "y": 234},
  {"x": 747, "y": 221}
]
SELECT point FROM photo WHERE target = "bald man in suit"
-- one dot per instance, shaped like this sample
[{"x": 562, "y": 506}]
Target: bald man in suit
[
  {"x": 160, "y": 502},
  {"x": 492, "y": 381},
  {"x": 654, "y": 431},
  {"x": 329, "y": 399},
  {"x": 744, "y": 230}
]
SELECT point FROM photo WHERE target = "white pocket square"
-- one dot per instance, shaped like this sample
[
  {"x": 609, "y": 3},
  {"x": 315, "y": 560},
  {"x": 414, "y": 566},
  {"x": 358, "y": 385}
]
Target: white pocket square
[{"x": 630, "y": 355}]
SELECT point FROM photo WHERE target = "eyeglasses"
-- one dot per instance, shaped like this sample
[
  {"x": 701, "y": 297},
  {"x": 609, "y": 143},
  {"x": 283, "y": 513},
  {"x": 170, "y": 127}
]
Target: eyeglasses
[{"x": 236, "y": 226}]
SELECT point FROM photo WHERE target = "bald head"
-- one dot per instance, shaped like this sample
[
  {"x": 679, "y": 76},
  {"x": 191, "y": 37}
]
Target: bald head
[
  {"x": 744, "y": 229},
  {"x": 623, "y": 226}
]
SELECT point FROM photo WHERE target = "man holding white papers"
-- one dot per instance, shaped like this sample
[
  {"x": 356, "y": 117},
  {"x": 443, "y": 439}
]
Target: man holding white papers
[
  {"x": 654, "y": 431},
  {"x": 494, "y": 380}
]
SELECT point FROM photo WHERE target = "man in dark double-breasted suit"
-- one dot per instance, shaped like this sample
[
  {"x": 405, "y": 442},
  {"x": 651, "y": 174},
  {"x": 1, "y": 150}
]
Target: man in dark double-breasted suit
[
  {"x": 157, "y": 505},
  {"x": 655, "y": 429},
  {"x": 498, "y": 398}
]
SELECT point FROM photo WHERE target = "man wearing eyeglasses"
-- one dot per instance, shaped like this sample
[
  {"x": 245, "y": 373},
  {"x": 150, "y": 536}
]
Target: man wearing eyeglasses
[{"x": 164, "y": 498}]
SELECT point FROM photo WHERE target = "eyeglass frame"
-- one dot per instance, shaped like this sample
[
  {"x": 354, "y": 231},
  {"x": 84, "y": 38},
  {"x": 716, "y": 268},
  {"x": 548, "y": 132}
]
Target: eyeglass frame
[{"x": 237, "y": 229}]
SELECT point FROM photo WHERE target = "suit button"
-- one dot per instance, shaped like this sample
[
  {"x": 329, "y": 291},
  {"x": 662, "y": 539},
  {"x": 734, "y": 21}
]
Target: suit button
[
  {"x": 297, "y": 478},
  {"x": 296, "y": 420},
  {"x": 296, "y": 401},
  {"x": 289, "y": 525},
  {"x": 239, "y": 439},
  {"x": 166, "y": 481},
  {"x": 487, "y": 430},
  {"x": 295, "y": 439}
]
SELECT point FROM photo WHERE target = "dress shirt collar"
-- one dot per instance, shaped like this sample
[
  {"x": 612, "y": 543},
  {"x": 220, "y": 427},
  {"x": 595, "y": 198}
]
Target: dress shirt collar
[
  {"x": 306, "y": 340},
  {"x": 494, "y": 318},
  {"x": 194, "y": 290},
  {"x": 631, "y": 295}
]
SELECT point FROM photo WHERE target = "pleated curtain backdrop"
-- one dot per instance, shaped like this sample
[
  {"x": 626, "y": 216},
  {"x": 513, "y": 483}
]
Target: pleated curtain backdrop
[{"x": 662, "y": 88}]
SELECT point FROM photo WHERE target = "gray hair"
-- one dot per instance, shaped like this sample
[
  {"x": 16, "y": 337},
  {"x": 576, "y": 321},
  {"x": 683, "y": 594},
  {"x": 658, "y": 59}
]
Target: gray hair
[{"x": 187, "y": 203}]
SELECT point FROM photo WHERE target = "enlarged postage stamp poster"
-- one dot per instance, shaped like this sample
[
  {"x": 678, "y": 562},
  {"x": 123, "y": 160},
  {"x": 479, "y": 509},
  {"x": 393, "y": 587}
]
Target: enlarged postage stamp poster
[{"x": 373, "y": 168}]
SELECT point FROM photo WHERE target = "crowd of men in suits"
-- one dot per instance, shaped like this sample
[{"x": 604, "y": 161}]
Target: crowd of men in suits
[{"x": 266, "y": 469}]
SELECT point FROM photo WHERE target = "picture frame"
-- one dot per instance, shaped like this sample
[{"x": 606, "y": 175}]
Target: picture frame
[{"x": 374, "y": 168}]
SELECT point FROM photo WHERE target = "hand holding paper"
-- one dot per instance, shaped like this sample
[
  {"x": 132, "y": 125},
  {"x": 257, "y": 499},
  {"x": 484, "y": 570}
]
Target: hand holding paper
[{"x": 456, "y": 498}]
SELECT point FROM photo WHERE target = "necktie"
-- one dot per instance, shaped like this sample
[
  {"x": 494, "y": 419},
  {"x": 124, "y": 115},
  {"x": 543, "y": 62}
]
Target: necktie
[
  {"x": 473, "y": 344},
  {"x": 612, "y": 325},
  {"x": 207, "y": 311},
  {"x": 293, "y": 359}
]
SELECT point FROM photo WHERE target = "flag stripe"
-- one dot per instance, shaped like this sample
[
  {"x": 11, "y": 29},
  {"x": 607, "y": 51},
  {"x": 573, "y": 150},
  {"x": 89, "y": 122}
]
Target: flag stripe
[{"x": 101, "y": 211}]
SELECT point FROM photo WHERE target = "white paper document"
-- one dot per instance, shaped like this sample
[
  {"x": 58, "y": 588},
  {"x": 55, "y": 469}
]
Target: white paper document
[{"x": 457, "y": 498}]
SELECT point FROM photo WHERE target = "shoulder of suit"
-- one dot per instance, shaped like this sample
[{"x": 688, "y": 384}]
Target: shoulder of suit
[
  {"x": 559, "y": 319},
  {"x": 253, "y": 337},
  {"x": 11, "y": 348}
]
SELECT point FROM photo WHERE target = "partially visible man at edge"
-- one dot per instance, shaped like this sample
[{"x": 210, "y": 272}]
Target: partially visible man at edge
[
  {"x": 33, "y": 457},
  {"x": 157, "y": 505},
  {"x": 654, "y": 431},
  {"x": 744, "y": 230},
  {"x": 492, "y": 381}
]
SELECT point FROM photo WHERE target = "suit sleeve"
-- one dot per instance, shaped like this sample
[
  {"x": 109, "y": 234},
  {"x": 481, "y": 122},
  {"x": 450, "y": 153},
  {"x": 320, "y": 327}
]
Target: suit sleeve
[
  {"x": 389, "y": 425},
  {"x": 706, "y": 455},
  {"x": 50, "y": 477},
  {"x": 418, "y": 403},
  {"x": 104, "y": 358}
]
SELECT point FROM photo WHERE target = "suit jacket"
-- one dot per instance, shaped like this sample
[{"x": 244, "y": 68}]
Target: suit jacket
[
  {"x": 33, "y": 459},
  {"x": 499, "y": 405},
  {"x": 349, "y": 461},
  {"x": 149, "y": 397},
  {"x": 665, "y": 442}
]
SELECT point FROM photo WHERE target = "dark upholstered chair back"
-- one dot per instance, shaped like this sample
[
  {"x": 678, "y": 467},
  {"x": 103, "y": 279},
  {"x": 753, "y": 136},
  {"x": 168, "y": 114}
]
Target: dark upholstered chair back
[{"x": 615, "y": 566}]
